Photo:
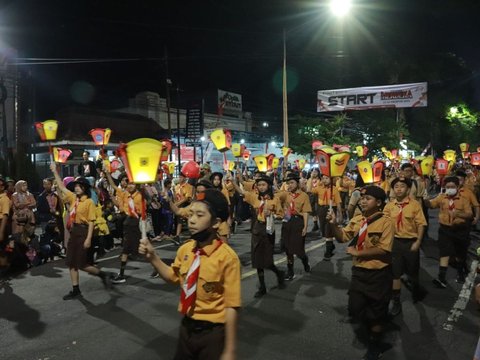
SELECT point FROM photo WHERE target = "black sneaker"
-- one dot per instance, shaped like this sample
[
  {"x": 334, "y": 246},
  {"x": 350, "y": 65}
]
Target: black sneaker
[
  {"x": 396, "y": 308},
  {"x": 119, "y": 279},
  {"x": 441, "y": 284},
  {"x": 290, "y": 277},
  {"x": 154, "y": 274},
  {"x": 460, "y": 278},
  {"x": 307, "y": 268},
  {"x": 262, "y": 291},
  {"x": 72, "y": 295},
  {"x": 327, "y": 256},
  {"x": 281, "y": 279}
]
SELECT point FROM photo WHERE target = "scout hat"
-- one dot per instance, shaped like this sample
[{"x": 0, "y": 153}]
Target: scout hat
[
  {"x": 219, "y": 174},
  {"x": 216, "y": 201},
  {"x": 375, "y": 191},
  {"x": 264, "y": 177},
  {"x": 402, "y": 179},
  {"x": 293, "y": 176},
  {"x": 80, "y": 180},
  {"x": 205, "y": 183}
]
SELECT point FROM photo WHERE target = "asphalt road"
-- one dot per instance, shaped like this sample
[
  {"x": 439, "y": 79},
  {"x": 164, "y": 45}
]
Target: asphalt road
[{"x": 138, "y": 320}]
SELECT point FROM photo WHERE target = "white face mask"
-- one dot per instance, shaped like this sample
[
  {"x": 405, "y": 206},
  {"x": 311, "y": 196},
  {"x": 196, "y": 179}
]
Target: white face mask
[{"x": 450, "y": 192}]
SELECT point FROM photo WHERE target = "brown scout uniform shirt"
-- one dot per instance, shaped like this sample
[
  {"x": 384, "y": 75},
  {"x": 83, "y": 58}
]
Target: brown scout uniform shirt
[{"x": 412, "y": 217}]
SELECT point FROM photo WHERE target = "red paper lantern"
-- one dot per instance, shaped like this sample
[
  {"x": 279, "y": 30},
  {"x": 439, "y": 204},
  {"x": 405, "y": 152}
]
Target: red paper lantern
[
  {"x": 441, "y": 165},
  {"x": 191, "y": 170},
  {"x": 100, "y": 137},
  {"x": 167, "y": 149},
  {"x": 115, "y": 165},
  {"x": 475, "y": 158},
  {"x": 246, "y": 155},
  {"x": 316, "y": 145}
]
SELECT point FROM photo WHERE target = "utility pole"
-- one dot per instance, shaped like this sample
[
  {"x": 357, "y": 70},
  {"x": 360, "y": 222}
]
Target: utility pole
[
  {"x": 168, "y": 82},
  {"x": 178, "y": 128}
]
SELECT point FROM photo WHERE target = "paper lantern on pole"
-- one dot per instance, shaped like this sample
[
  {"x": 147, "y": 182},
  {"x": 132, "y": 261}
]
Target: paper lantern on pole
[
  {"x": 370, "y": 173},
  {"x": 246, "y": 155},
  {"x": 261, "y": 162},
  {"x": 332, "y": 164},
  {"x": 115, "y": 165},
  {"x": 47, "y": 129},
  {"x": 286, "y": 151},
  {"x": 426, "y": 165},
  {"x": 61, "y": 155},
  {"x": 275, "y": 163},
  {"x": 222, "y": 139},
  {"x": 300, "y": 163},
  {"x": 344, "y": 148},
  {"x": 238, "y": 150},
  {"x": 316, "y": 144},
  {"x": 475, "y": 158},
  {"x": 449, "y": 155},
  {"x": 141, "y": 158},
  {"x": 441, "y": 165},
  {"x": 270, "y": 158},
  {"x": 167, "y": 146},
  {"x": 465, "y": 154},
  {"x": 464, "y": 147},
  {"x": 191, "y": 170},
  {"x": 361, "y": 151},
  {"x": 100, "y": 137},
  {"x": 416, "y": 165}
]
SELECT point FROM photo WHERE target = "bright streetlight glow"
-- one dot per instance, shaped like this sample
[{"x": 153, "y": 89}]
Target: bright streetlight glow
[
  {"x": 273, "y": 143},
  {"x": 242, "y": 141},
  {"x": 265, "y": 124},
  {"x": 202, "y": 138},
  {"x": 340, "y": 8}
]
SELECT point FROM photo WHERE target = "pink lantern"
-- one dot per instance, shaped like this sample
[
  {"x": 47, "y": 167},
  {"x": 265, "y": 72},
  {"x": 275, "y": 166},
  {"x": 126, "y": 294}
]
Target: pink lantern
[
  {"x": 475, "y": 158},
  {"x": 100, "y": 137},
  {"x": 441, "y": 165},
  {"x": 316, "y": 145}
]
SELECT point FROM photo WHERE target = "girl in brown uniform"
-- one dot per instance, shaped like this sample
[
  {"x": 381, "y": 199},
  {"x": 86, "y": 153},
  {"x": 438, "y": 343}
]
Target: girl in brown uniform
[
  {"x": 266, "y": 206},
  {"x": 80, "y": 223},
  {"x": 371, "y": 235}
]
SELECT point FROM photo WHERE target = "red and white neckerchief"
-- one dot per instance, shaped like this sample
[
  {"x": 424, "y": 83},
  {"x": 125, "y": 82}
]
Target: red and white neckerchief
[
  {"x": 72, "y": 214},
  {"x": 131, "y": 207},
  {"x": 400, "y": 213},
  {"x": 189, "y": 287},
  {"x": 314, "y": 182},
  {"x": 291, "y": 207},
  {"x": 362, "y": 234},
  {"x": 261, "y": 207},
  {"x": 451, "y": 207}
]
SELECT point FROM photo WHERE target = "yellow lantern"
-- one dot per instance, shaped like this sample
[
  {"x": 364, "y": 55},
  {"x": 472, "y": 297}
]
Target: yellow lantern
[
  {"x": 300, "y": 163},
  {"x": 141, "y": 158},
  {"x": 222, "y": 139},
  {"x": 236, "y": 150},
  {"x": 275, "y": 163},
  {"x": 427, "y": 165},
  {"x": 449, "y": 155},
  {"x": 61, "y": 155},
  {"x": 286, "y": 151},
  {"x": 47, "y": 129},
  {"x": 464, "y": 147},
  {"x": 332, "y": 164},
  {"x": 370, "y": 173},
  {"x": 361, "y": 151},
  {"x": 261, "y": 162}
]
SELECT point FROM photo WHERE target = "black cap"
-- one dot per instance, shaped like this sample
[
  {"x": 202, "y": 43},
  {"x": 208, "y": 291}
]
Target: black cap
[
  {"x": 216, "y": 201},
  {"x": 402, "y": 179},
  {"x": 80, "y": 180},
  {"x": 461, "y": 173},
  {"x": 205, "y": 183},
  {"x": 375, "y": 191},
  {"x": 219, "y": 174}
]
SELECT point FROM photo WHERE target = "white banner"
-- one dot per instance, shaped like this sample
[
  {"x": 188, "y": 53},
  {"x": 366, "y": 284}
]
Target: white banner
[
  {"x": 373, "y": 97},
  {"x": 229, "y": 103}
]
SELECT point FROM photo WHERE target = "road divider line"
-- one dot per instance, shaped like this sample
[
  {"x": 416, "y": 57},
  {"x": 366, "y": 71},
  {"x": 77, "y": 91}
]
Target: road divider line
[
  {"x": 463, "y": 298},
  {"x": 282, "y": 260}
]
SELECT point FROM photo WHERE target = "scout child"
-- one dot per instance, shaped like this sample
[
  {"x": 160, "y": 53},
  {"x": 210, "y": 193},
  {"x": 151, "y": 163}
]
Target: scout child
[
  {"x": 313, "y": 182},
  {"x": 296, "y": 206},
  {"x": 409, "y": 221},
  {"x": 183, "y": 193},
  {"x": 208, "y": 272},
  {"x": 80, "y": 224},
  {"x": 324, "y": 194},
  {"x": 132, "y": 206},
  {"x": 454, "y": 217},
  {"x": 266, "y": 206},
  {"x": 371, "y": 236}
]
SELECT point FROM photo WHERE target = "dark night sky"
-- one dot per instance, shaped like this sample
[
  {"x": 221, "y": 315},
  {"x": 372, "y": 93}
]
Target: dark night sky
[{"x": 233, "y": 45}]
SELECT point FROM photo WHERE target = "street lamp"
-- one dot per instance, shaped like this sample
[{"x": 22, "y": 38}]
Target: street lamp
[
  {"x": 242, "y": 141},
  {"x": 265, "y": 124},
  {"x": 340, "y": 8}
]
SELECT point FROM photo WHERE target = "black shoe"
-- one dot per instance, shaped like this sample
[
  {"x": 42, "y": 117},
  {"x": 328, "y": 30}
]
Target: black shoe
[
  {"x": 327, "y": 256},
  {"x": 315, "y": 227},
  {"x": 72, "y": 295},
  {"x": 290, "y": 277},
  {"x": 396, "y": 308},
  {"x": 440, "y": 283},
  {"x": 119, "y": 279},
  {"x": 307, "y": 268},
  {"x": 281, "y": 279},
  {"x": 262, "y": 291},
  {"x": 460, "y": 278},
  {"x": 154, "y": 274}
]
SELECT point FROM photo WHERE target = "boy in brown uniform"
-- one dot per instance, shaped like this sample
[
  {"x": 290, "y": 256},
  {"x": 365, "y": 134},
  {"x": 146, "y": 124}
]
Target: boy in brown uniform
[
  {"x": 183, "y": 193},
  {"x": 296, "y": 204},
  {"x": 454, "y": 216},
  {"x": 208, "y": 272},
  {"x": 371, "y": 236},
  {"x": 409, "y": 221},
  {"x": 324, "y": 194}
]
